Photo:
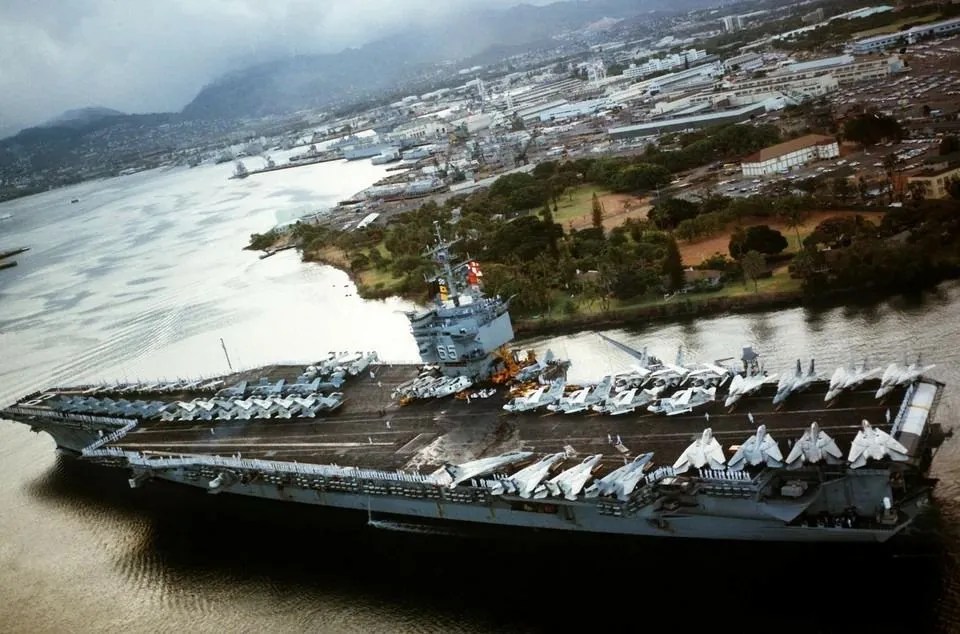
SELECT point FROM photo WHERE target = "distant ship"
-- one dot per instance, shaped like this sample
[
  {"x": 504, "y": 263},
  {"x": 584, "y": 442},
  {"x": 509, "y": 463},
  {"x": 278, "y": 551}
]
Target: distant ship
[
  {"x": 478, "y": 434},
  {"x": 386, "y": 156},
  {"x": 369, "y": 148}
]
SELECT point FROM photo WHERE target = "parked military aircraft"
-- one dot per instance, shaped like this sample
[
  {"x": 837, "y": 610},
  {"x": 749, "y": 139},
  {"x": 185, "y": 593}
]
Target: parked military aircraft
[
  {"x": 874, "y": 444},
  {"x": 849, "y": 378},
  {"x": 897, "y": 376},
  {"x": 793, "y": 383},
  {"x": 814, "y": 446},
  {"x": 541, "y": 397},
  {"x": 683, "y": 401},
  {"x": 760, "y": 448},
  {"x": 705, "y": 450},
  {"x": 584, "y": 398},
  {"x": 744, "y": 385}
]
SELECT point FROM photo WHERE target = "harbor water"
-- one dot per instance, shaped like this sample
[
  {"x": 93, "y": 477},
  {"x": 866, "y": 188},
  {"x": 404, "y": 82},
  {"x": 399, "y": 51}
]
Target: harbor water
[{"x": 145, "y": 275}]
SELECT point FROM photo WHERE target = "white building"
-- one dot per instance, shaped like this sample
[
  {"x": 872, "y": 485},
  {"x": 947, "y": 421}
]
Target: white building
[
  {"x": 475, "y": 122},
  {"x": 732, "y": 23},
  {"x": 576, "y": 109},
  {"x": 910, "y": 36},
  {"x": 797, "y": 89},
  {"x": 660, "y": 64},
  {"x": 743, "y": 63},
  {"x": 794, "y": 153},
  {"x": 421, "y": 129}
]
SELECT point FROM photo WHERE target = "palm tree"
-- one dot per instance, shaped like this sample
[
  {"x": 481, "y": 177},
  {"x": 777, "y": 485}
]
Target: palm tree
[
  {"x": 793, "y": 216},
  {"x": 890, "y": 162}
]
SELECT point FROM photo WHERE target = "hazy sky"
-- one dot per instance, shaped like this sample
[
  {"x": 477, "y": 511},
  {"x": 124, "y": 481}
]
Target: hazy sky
[{"x": 155, "y": 55}]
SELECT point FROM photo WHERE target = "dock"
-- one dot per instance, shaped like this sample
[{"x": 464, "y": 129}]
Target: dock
[
  {"x": 274, "y": 251},
  {"x": 287, "y": 166}
]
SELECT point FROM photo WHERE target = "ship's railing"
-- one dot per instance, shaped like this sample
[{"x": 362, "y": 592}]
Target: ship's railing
[
  {"x": 659, "y": 474},
  {"x": 109, "y": 438},
  {"x": 67, "y": 416},
  {"x": 725, "y": 476},
  {"x": 137, "y": 459},
  {"x": 902, "y": 412}
]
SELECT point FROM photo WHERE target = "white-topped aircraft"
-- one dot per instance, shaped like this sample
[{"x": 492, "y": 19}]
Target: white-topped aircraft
[
  {"x": 529, "y": 478},
  {"x": 745, "y": 385},
  {"x": 684, "y": 401},
  {"x": 541, "y": 397},
  {"x": 793, "y": 383},
  {"x": 626, "y": 402},
  {"x": 874, "y": 444},
  {"x": 705, "y": 450},
  {"x": 584, "y": 398},
  {"x": 760, "y": 448},
  {"x": 814, "y": 446},
  {"x": 569, "y": 483},
  {"x": 898, "y": 376},
  {"x": 849, "y": 378}
]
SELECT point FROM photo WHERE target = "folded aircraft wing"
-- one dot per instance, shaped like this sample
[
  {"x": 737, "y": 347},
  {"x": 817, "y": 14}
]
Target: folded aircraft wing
[{"x": 770, "y": 448}]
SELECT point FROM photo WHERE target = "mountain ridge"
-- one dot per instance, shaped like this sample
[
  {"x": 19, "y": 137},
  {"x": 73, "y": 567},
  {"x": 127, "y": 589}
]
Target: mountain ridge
[
  {"x": 312, "y": 81},
  {"x": 81, "y": 116}
]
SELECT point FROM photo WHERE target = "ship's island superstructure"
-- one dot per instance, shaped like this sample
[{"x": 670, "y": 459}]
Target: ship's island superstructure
[{"x": 475, "y": 434}]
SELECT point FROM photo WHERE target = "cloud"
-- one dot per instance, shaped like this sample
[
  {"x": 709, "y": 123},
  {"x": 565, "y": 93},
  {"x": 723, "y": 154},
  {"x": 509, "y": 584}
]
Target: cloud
[{"x": 155, "y": 55}]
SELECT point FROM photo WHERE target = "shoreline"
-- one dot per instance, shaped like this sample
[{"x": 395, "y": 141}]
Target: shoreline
[
  {"x": 659, "y": 313},
  {"x": 686, "y": 308}
]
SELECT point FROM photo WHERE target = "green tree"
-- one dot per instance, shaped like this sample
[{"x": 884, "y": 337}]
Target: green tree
[
  {"x": 948, "y": 145},
  {"x": 597, "y": 212},
  {"x": 872, "y": 128},
  {"x": 753, "y": 266},
  {"x": 670, "y": 212},
  {"x": 546, "y": 212},
  {"x": 793, "y": 216},
  {"x": 759, "y": 238},
  {"x": 673, "y": 266}
]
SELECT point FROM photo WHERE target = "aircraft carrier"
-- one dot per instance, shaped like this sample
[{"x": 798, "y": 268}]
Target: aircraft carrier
[{"x": 478, "y": 434}]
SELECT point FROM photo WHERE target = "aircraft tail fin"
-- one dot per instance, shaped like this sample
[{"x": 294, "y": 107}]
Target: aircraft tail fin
[
  {"x": 556, "y": 389},
  {"x": 602, "y": 391},
  {"x": 812, "y": 370},
  {"x": 799, "y": 368}
]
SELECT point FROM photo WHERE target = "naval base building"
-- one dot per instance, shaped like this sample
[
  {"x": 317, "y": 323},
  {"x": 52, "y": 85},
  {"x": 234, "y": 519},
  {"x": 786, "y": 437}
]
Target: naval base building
[{"x": 790, "y": 154}]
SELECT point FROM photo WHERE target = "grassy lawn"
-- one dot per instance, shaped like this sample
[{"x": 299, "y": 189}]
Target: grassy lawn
[
  {"x": 895, "y": 26},
  {"x": 372, "y": 277},
  {"x": 577, "y": 204},
  {"x": 780, "y": 282}
]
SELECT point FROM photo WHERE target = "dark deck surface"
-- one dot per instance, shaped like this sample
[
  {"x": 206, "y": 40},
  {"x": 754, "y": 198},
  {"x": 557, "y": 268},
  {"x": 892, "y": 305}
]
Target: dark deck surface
[{"x": 423, "y": 435}]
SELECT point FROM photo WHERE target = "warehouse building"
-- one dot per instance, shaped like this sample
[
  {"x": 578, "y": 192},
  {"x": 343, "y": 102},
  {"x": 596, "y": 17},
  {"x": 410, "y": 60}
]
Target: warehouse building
[
  {"x": 910, "y": 36},
  {"x": 794, "y": 153},
  {"x": 651, "y": 128}
]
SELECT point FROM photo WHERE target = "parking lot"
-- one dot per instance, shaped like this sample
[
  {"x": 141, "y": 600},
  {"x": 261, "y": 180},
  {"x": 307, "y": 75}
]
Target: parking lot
[{"x": 853, "y": 163}]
